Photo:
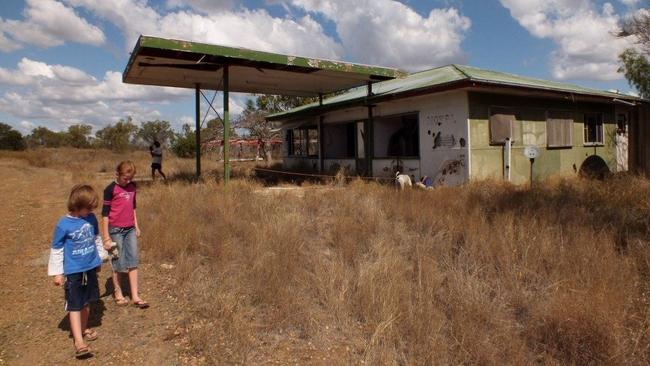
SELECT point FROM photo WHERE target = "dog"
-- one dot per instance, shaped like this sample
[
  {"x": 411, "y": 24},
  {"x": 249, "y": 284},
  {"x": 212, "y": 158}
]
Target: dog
[{"x": 402, "y": 181}]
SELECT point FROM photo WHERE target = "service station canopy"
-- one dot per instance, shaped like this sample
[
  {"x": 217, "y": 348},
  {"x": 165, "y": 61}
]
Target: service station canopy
[{"x": 176, "y": 63}]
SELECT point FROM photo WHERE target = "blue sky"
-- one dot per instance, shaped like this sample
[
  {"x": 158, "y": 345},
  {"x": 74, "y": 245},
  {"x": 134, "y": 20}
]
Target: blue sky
[{"x": 61, "y": 60}]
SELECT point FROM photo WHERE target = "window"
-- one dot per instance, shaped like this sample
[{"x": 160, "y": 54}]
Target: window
[
  {"x": 289, "y": 142},
  {"x": 302, "y": 141},
  {"x": 299, "y": 142},
  {"x": 559, "y": 127},
  {"x": 312, "y": 141},
  {"x": 593, "y": 127},
  {"x": 338, "y": 140},
  {"x": 502, "y": 125},
  {"x": 396, "y": 136},
  {"x": 621, "y": 123}
]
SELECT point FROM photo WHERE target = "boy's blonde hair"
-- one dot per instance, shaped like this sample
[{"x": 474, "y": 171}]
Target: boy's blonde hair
[
  {"x": 125, "y": 166},
  {"x": 82, "y": 196}
]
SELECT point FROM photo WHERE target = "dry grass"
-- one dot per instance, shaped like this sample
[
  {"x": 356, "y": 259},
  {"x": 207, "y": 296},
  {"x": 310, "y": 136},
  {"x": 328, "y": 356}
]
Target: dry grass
[
  {"x": 487, "y": 273},
  {"x": 484, "y": 274}
]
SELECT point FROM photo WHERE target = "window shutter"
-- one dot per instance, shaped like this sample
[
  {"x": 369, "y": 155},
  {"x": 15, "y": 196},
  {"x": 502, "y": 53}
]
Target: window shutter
[
  {"x": 559, "y": 129},
  {"x": 502, "y": 125}
]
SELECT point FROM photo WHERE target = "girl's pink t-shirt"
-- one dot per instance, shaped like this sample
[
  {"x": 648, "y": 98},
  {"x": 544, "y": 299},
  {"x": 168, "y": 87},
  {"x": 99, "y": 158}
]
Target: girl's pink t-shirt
[{"x": 119, "y": 203}]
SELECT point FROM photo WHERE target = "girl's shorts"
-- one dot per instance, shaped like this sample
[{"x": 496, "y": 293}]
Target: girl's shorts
[
  {"x": 81, "y": 289},
  {"x": 127, "y": 246}
]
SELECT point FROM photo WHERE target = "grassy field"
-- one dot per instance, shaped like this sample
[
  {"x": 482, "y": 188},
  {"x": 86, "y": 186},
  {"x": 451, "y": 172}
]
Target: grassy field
[{"x": 486, "y": 273}]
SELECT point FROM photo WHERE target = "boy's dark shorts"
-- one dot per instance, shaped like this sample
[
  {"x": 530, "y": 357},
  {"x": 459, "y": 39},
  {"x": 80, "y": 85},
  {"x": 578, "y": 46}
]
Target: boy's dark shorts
[
  {"x": 81, "y": 289},
  {"x": 156, "y": 166}
]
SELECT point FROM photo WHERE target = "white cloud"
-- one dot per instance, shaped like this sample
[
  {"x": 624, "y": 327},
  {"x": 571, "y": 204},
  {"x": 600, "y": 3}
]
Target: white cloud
[
  {"x": 47, "y": 23},
  {"x": 630, "y": 3},
  {"x": 64, "y": 95},
  {"x": 255, "y": 29},
  {"x": 386, "y": 32},
  {"x": 584, "y": 34},
  {"x": 25, "y": 127},
  {"x": 203, "y": 6},
  {"x": 31, "y": 72}
]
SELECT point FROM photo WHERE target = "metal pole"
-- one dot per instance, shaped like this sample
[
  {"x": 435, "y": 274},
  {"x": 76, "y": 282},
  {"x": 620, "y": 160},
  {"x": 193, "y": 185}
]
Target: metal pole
[
  {"x": 197, "y": 132},
  {"x": 226, "y": 127},
  {"x": 507, "y": 159},
  {"x": 369, "y": 143},
  {"x": 321, "y": 145}
]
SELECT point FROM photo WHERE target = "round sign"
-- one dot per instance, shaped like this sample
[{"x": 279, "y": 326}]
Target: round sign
[{"x": 531, "y": 152}]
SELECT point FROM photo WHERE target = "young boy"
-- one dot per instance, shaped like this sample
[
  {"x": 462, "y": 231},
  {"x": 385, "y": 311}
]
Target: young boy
[
  {"x": 74, "y": 255},
  {"x": 120, "y": 225}
]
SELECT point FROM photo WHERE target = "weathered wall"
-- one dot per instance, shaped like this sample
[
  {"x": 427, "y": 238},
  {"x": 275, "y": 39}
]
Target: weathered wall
[
  {"x": 443, "y": 137},
  {"x": 487, "y": 160},
  {"x": 332, "y": 166}
]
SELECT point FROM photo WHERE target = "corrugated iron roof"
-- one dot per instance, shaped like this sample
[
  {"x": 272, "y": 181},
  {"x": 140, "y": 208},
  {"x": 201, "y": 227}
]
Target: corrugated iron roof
[{"x": 450, "y": 75}]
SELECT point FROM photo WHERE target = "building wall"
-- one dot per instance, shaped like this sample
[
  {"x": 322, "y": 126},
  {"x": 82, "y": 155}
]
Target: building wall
[
  {"x": 487, "y": 160},
  {"x": 443, "y": 138}
]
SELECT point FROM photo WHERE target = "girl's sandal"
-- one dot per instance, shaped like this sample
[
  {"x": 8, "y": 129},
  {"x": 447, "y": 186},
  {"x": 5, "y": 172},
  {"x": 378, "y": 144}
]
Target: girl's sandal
[
  {"x": 90, "y": 335},
  {"x": 121, "y": 301},
  {"x": 82, "y": 352},
  {"x": 141, "y": 304}
]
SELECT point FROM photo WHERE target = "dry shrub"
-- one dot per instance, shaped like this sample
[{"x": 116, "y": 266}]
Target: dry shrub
[{"x": 487, "y": 273}]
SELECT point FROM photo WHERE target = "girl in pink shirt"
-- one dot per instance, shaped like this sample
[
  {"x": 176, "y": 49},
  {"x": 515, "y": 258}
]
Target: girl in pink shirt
[{"x": 120, "y": 225}]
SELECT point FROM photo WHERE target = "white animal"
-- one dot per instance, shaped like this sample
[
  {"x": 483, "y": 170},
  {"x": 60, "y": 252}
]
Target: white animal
[{"x": 402, "y": 181}]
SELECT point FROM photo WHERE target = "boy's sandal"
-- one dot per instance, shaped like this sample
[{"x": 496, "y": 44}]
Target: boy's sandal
[
  {"x": 90, "y": 335},
  {"x": 82, "y": 352},
  {"x": 141, "y": 304},
  {"x": 122, "y": 301}
]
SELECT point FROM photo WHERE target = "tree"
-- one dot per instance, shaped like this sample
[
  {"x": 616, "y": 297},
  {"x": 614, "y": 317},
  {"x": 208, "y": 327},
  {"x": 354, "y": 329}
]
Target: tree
[
  {"x": 160, "y": 131},
  {"x": 184, "y": 143},
  {"x": 253, "y": 118},
  {"x": 214, "y": 129},
  {"x": 635, "y": 63},
  {"x": 44, "y": 137},
  {"x": 77, "y": 135},
  {"x": 117, "y": 137},
  {"x": 10, "y": 139},
  {"x": 280, "y": 103}
]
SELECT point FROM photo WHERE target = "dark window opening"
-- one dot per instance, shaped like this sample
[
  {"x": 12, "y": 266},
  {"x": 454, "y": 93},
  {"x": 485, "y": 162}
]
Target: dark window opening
[
  {"x": 397, "y": 136},
  {"x": 338, "y": 140},
  {"x": 593, "y": 129}
]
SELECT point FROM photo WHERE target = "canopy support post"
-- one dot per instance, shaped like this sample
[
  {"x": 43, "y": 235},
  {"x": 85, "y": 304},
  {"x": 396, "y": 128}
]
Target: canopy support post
[
  {"x": 197, "y": 131},
  {"x": 226, "y": 126}
]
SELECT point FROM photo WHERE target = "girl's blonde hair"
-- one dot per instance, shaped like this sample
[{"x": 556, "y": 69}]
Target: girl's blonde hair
[
  {"x": 125, "y": 166},
  {"x": 82, "y": 196}
]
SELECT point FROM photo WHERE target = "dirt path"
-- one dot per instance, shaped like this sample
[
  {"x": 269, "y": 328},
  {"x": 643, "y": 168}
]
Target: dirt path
[{"x": 33, "y": 324}]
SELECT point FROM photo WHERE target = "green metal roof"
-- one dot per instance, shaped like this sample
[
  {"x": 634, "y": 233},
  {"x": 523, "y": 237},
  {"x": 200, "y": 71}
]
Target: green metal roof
[
  {"x": 178, "y": 63},
  {"x": 450, "y": 76}
]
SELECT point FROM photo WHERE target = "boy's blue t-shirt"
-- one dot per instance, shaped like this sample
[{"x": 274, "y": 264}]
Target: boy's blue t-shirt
[{"x": 76, "y": 235}]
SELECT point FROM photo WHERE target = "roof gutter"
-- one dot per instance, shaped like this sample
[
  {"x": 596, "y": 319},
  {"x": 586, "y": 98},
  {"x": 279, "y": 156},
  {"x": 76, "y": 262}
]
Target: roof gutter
[
  {"x": 632, "y": 104},
  {"x": 369, "y": 100}
]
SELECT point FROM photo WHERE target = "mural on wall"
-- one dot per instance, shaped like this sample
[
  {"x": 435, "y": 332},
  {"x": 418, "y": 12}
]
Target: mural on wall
[
  {"x": 440, "y": 137},
  {"x": 450, "y": 172},
  {"x": 443, "y": 141}
]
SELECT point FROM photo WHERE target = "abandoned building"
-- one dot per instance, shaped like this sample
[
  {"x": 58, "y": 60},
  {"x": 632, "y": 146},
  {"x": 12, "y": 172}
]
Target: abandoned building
[
  {"x": 451, "y": 124},
  {"x": 456, "y": 123}
]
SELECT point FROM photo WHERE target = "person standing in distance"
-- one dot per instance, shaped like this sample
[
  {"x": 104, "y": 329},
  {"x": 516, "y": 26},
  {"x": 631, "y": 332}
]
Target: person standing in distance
[{"x": 156, "y": 160}]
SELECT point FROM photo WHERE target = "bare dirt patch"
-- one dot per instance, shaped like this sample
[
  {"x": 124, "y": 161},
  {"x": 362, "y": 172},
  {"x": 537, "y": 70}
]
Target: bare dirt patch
[{"x": 34, "y": 328}]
